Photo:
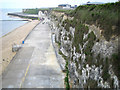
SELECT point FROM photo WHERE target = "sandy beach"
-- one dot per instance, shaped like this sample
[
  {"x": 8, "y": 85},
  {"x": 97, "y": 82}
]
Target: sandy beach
[{"x": 16, "y": 36}]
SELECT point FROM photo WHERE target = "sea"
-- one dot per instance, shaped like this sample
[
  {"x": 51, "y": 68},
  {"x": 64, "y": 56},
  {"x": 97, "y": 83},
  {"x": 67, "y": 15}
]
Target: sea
[{"x": 9, "y": 23}]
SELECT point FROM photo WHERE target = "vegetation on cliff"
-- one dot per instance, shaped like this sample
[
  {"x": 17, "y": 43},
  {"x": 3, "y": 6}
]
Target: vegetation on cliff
[
  {"x": 35, "y": 11},
  {"x": 81, "y": 52},
  {"x": 31, "y": 11},
  {"x": 105, "y": 16}
]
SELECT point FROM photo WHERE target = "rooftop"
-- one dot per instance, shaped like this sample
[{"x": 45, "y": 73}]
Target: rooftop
[{"x": 96, "y": 3}]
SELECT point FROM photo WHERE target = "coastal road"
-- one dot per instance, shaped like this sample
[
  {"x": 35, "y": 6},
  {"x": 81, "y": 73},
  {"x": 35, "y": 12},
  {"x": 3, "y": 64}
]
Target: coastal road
[{"x": 35, "y": 64}]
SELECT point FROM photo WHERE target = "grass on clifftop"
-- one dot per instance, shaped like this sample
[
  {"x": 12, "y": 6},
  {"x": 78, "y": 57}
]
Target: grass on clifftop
[
  {"x": 31, "y": 11},
  {"x": 35, "y": 11},
  {"x": 105, "y": 16},
  {"x": 66, "y": 11}
]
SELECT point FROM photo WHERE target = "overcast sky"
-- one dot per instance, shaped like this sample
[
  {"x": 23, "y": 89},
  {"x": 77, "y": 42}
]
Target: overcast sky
[{"x": 43, "y": 3}]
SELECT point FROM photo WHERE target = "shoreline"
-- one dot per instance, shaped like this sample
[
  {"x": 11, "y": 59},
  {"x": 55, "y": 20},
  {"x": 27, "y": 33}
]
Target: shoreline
[
  {"x": 28, "y": 20},
  {"x": 15, "y": 36},
  {"x": 14, "y": 29}
]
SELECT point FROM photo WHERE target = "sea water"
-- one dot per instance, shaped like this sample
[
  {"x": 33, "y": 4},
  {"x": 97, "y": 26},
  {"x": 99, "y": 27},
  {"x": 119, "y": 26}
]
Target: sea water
[{"x": 9, "y": 23}]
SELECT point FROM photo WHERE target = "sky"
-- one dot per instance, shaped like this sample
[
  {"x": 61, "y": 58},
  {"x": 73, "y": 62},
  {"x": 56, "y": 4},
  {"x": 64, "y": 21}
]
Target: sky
[{"x": 43, "y": 3}]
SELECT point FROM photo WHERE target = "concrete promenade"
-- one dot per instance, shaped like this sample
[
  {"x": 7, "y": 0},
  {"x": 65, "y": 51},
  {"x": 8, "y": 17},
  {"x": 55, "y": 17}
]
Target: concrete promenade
[{"x": 35, "y": 64}]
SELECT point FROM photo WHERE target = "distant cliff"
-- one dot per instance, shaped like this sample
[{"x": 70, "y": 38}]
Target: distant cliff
[{"x": 87, "y": 39}]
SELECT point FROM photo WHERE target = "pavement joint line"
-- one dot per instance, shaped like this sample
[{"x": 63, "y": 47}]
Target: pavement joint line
[{"x": 23, "y": 79}]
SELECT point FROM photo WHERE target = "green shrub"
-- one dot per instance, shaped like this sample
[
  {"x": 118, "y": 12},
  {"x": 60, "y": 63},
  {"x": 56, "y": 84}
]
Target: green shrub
[
  {"x": 91, "y": 84},
  {"x": 105, "y": 73},
  {"x": 66, "y": 80},
  {"x": 62, "y": 55},
  {"x": 105, "y": 16},
  {"x": 65, "y": 38},
  {"x": 31, "y": 11},
  {"x": 116, "y": 64},
  {"x": 91, "y": 36},
  {"x": 70, "y": 36}
]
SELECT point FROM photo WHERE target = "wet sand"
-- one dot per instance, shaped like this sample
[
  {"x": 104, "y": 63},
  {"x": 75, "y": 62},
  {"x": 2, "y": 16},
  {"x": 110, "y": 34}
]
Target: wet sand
[{"x": 6, "y": 42}]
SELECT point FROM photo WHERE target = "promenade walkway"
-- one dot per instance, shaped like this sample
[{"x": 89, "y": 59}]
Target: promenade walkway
[{"x": 35, "y": 64}]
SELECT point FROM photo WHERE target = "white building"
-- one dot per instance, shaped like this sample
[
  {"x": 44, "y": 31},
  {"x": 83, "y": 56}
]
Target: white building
[{"x": 64, "y": 6}]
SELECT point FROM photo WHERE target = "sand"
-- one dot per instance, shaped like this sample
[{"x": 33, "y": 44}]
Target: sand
[{"x": 16, "y": 36}]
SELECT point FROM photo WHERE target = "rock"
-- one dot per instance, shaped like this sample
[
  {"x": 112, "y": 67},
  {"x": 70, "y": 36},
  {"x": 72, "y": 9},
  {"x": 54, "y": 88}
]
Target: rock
[{"x": 16, "y": 47}]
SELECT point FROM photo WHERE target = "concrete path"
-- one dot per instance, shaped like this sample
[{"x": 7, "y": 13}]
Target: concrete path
[{"x": 35, "y": 65}]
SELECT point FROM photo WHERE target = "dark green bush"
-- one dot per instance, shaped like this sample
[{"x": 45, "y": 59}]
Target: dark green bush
[
  {"x": 105, "y": 16},
  {"x": 67, "y": 76},
  {"x": 105, "y": 73},
  {"x": 116, "y": 64},
  {"x": 31, "y": 11},
  {"x": 91, "y": 36},
  {"x": 65, "y": 38},
  {"x": 70, "y": 36}
]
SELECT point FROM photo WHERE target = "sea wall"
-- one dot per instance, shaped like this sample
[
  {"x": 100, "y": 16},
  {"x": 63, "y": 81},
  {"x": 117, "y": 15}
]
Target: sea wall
[{"x": 28, "y": 16}]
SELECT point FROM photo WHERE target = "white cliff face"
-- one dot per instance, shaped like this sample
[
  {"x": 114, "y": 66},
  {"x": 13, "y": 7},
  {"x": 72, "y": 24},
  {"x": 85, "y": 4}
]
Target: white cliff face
[
  {"x": 72, "y": 30},
  {"x": 63, "y": 51},
  {"x": 105, "y": 48},
  {"x": 85, "y": 70}
]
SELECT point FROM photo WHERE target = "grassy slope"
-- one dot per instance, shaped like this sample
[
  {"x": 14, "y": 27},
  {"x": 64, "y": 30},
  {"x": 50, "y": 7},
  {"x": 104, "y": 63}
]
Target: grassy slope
[
  {"x": 34, "y": 11},
  {"x": 105, "y": 16}
]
